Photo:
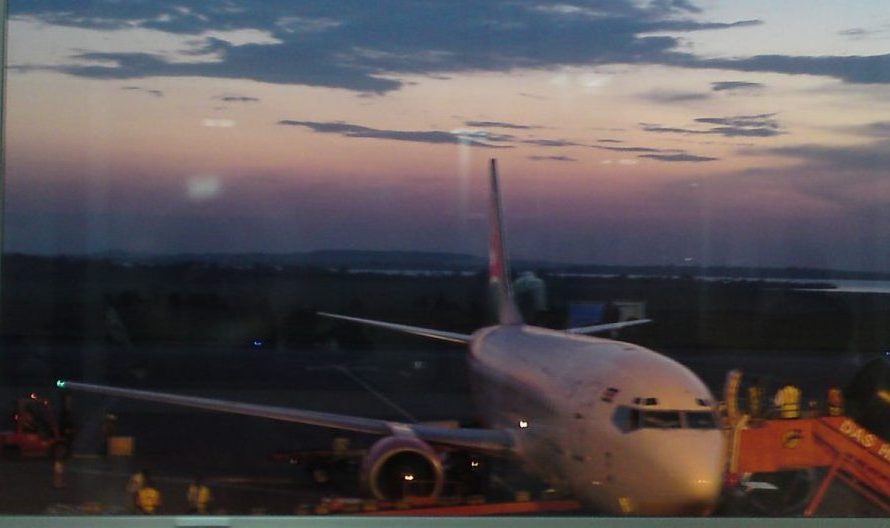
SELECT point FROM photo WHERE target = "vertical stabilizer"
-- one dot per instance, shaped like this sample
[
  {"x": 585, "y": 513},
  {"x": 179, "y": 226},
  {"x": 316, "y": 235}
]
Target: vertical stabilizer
[{"x": 498, "y": 268}]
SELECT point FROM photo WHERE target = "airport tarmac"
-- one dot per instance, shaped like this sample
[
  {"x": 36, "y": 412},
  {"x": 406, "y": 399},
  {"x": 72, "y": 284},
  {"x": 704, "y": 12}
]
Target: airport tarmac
[{"x": 235, "y": 453}]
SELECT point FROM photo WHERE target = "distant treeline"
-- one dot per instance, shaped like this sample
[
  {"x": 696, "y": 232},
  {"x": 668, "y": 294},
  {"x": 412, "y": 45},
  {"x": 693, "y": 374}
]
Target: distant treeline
[
  {"x": 68, "y": 299},
  {"x": 420, "y": 260}
]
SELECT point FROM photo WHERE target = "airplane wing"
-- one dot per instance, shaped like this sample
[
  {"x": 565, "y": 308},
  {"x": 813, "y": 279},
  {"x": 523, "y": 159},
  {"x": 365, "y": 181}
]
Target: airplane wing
[
  {"x": 481, "y": 439},
  {"x": 416, "y": 330},
  {"x": 595, "y": 329}
]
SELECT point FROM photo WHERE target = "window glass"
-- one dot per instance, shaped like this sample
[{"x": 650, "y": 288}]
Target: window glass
[
  {"x": 660, "y": 419},
  {"x": 625, "y": 418},
  {"x": 700, "y": 420},
  {"x": 187, "y": 185}
]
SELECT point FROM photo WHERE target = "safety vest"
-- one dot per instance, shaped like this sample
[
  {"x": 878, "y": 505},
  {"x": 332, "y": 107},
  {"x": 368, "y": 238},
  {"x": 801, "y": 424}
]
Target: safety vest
[
  {"x": 835, "y": 402},
  {"x": 788, "y": 401},
  {"x": 148, "y": 499},
  {"x": 198, "y": 497}
]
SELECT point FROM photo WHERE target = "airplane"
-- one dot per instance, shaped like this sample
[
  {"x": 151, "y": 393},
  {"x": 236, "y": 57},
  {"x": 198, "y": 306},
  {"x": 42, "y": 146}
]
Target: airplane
[{"x": 625, "y": 430}]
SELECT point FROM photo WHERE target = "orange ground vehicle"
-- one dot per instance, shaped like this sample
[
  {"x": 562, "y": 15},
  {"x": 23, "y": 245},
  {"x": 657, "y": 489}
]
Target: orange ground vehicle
[{"x": 36, "y": 432}]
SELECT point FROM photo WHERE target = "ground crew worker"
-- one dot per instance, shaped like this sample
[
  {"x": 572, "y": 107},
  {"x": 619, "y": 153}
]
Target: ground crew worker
[
  {"x": 148, "y": 499},
  {"x": 198, "y": 496},
  {"x": 787, "y": 401},
  {"x": 58, "y": 473},
  {"x": 835, "y": 401},
  {"x": 108, "y": 427},
  {"x": 755, "y": 399},
  {"x": 136, "y": 483},
  {"x": 67, "y": 425}
]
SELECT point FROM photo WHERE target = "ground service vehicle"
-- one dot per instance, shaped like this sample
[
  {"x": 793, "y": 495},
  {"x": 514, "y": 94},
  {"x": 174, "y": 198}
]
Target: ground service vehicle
[{"x": 36, "y": 431}]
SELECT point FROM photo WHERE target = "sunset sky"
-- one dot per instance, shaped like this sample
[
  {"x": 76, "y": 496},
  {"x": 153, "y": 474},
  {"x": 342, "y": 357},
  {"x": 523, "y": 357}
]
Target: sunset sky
[{"x": 751, "y": 133}]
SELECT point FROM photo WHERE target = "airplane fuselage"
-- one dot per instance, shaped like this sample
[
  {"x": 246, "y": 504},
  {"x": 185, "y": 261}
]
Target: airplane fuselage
[{"x": 626, "y": 430}]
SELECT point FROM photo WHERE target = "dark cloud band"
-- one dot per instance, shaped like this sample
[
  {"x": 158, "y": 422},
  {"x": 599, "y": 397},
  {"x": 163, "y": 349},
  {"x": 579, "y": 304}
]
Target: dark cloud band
[
  {"x": 424, "y": 136},
  {"x": 678, "y": 157},
  {"x": 760, "y": 125}
]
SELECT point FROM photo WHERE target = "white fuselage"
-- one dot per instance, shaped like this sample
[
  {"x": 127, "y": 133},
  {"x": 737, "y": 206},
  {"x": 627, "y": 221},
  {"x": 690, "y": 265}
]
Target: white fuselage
[{"x": 626, "y": 430}]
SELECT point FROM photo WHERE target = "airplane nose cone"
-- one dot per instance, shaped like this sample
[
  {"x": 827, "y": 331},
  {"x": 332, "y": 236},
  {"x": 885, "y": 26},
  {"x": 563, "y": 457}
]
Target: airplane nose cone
[
  {"x": 698, "y": 480},
  {"x": 686, "y": 480},
  {"x": 701, "y": 495}
]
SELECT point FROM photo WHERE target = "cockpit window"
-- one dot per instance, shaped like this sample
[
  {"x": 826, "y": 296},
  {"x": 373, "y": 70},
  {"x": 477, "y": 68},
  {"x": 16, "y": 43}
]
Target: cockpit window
[
  {"x": 701, "y": 420},
  {"x": 660, "y": 419},
  {"x": 628, "y": 419},
  {"x": 624, "y": 418}
]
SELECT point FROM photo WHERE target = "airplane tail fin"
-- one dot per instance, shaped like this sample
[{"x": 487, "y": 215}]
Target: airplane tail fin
[{"x": 498, "y": 268}]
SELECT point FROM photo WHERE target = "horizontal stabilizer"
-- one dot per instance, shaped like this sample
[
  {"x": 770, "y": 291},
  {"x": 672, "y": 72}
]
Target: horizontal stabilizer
[
  {"x": 416, "y": 330},
  {"x": 595, "y": 329}
]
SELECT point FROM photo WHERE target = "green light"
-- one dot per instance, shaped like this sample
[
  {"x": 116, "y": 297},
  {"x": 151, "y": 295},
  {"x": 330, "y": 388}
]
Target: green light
[{"x": 60, "y": 384}]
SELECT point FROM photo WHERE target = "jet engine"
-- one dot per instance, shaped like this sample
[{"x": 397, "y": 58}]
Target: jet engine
[{"x": 400, "y": 466}]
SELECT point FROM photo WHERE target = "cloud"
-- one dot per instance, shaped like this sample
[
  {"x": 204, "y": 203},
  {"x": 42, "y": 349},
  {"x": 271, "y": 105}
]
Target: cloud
[
  {"x": 735, "y": 85},
  {"x": 676, "y": 5},
  {"x": 473, "y": 138},
  {"x": 850, "y": 177},
  {"x": 238, "y": 99},
  {"x": 622, "y": 161},
  {"x": 861, "y": 33},
  {"x": 499, "y": 124},
  {"x": 367, "y": 46},
  {"x": 678, "y": 157},
  {"x": 853, "y": 32},
  {"x": 552, "y": 143},
  {"x": 868, "y": 157},
  {"x": 551, "y": 158},
  {"x": 868, "y": 69},
  {"x": 668, "y": 96},
  {"x": 760, "y": 125},
  {"x": 632, "y": 149},
  {"x": 261, "y": 66},
  {"x": 759, "y": 120},
  {"x": 607, "y": 140},
  {"x": 156, "y": 93},
  {"x": 878, "y": 129},
  {"x": 675, "y": 155}
]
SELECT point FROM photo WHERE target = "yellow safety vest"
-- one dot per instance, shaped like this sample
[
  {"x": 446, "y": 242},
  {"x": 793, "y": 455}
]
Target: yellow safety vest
[
  {"x": 835, "y": 402},
  {"x": 148, "y": 499},
  {"x": 199, "y": 497},
  {"x": 788, "y": 401}
]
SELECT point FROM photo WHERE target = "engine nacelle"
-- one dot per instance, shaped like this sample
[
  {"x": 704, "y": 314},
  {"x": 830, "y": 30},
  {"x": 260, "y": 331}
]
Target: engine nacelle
[{"x": 400, "y": 466}]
